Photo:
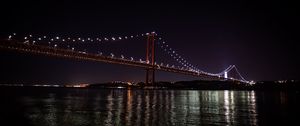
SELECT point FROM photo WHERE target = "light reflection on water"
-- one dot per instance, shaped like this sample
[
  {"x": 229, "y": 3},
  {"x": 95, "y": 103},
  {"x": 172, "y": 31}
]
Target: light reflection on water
[{"x": 142, "y": 107}]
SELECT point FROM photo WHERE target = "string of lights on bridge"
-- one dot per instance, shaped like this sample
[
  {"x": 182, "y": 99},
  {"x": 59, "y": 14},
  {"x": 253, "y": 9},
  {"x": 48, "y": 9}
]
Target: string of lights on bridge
[
  {"x": 174, "y": 54},
  {"x": 34, "y": 39},
  {"x": 60, "y": 41},
  {"x": 55, "y": 41}
]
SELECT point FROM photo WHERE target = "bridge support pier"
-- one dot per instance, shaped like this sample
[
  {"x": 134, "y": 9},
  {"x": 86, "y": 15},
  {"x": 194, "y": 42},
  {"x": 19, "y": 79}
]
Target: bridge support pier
[{"x": 150, "y": 59}]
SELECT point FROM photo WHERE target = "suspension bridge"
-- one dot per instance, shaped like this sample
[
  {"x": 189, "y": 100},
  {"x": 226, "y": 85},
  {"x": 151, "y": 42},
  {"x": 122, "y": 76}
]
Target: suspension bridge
[{"x": 71, "y": 47}]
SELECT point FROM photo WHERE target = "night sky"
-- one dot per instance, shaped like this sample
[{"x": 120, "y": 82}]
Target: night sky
[{"x": 259, "y": 37}]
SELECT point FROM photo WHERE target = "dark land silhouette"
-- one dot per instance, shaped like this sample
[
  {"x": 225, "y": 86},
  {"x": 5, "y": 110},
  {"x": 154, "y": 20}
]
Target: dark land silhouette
[{"x": 207, "y": 85}]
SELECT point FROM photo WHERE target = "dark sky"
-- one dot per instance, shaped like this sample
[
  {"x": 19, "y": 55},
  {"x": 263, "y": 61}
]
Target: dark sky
[{"x": 259, "y": 37}]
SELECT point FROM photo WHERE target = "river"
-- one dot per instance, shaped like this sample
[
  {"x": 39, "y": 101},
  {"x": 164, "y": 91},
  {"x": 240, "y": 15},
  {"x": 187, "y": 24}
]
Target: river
[{"x": 96, "y": 107}]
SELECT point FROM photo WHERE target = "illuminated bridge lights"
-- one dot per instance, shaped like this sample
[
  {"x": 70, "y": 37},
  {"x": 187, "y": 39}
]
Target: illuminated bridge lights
[{"x": 53, "y": 48}]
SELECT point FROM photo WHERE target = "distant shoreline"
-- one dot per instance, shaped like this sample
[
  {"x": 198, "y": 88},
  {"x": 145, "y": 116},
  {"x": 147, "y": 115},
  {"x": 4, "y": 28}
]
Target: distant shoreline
[{"x": 181, "y": 85}]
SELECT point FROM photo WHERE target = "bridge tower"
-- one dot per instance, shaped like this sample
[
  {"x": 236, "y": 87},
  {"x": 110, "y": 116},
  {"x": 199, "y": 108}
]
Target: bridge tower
[
  {"x": 150, "y": 58},
  {"x": 225, "y": 75}
]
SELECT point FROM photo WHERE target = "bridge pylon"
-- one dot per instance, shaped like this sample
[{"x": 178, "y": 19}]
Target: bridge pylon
[{"x": 150, "y": 59}]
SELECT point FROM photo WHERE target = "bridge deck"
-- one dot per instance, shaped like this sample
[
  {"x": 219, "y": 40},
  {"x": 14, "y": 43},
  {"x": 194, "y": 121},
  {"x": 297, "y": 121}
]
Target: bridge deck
[{"x": 68, "y": 53}]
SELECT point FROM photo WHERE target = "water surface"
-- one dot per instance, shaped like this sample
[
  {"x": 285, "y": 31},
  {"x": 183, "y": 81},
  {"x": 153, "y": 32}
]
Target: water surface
[{"x": 97, "y": 107}]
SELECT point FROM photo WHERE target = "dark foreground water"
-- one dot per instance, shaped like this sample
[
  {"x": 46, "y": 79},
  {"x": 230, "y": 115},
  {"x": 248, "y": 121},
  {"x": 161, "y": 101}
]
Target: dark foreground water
[{"x": 94, "y": 107}]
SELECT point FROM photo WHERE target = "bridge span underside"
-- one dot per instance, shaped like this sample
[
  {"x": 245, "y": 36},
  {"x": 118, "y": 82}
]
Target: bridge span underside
[{"x": 68, "y": 53}]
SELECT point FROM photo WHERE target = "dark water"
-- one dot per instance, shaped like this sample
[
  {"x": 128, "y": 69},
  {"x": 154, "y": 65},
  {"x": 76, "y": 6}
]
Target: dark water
[{"x": 94, "y": 107}]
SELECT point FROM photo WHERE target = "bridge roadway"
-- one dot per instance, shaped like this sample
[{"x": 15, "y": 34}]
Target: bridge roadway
[{"x": 71, "y": 54}]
